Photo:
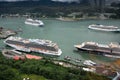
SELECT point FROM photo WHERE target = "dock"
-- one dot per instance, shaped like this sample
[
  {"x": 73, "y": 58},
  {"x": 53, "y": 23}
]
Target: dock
[
  {"x": 4, "y": 33},
  {"x": 17, "y": 55},
  {"x": 68, "y": 58}
]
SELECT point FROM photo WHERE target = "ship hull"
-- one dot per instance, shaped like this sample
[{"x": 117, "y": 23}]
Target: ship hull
[
  {"x": 103, "y": 53},
  {"x": 91, "y": 51},
  {"x": 40, "y": 51},
  {"x": 100, "y": 29}
]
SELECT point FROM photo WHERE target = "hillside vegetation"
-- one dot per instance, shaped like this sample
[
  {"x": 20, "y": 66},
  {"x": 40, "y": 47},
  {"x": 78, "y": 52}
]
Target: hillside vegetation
[{"x": 14, "y": 70}]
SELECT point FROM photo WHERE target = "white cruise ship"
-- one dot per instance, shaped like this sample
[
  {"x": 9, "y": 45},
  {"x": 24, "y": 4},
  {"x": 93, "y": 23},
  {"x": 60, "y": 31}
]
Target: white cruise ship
[
  {"x": 104, "y": 28},
  {"x": 34, "y": 45},
  {"x": 34, "y": 22},
  {"x": 110, "y": 50}
]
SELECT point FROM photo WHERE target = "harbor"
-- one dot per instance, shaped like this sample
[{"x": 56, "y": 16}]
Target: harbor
[
  {"x": 66, "y": 35},
  {"x": 60, "y": 39},
  {"x": 70, "y": 33}
]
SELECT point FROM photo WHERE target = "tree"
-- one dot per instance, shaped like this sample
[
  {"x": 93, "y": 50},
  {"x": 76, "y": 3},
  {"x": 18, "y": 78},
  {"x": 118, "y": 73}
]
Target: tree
[{"x": 7, "y": 73}]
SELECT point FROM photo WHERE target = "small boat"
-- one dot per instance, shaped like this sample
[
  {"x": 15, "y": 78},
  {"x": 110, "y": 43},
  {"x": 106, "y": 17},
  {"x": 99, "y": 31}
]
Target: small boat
[
  {"x": 67, "y": 58},
  {"x": 34, "y": 22},
  {"x": 104, "y": 28},
  {"x": 78, "y": 60},
  {"x": 89, "y": 63},
  {"x": 89, "y": 69}
]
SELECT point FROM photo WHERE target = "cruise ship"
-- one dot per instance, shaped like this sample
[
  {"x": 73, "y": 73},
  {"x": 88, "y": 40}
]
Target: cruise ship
[
  {"x": 34, "y": 45},
  {"x": 34, "y": 22},
  {"x": 104, "y": 28},
  {"x": 110, "y": 50}
]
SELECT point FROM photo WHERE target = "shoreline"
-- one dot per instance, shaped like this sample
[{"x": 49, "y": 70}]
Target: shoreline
[
  {"x": 59, "y": 18},
  {"x": 64, "y": 19}
]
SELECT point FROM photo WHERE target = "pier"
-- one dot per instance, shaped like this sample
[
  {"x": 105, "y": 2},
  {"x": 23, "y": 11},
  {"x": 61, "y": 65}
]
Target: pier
[
  {"x": 68, "y": 58},
  {"x": 17, "y": 55},
  {"x": 4, "y": 33}
]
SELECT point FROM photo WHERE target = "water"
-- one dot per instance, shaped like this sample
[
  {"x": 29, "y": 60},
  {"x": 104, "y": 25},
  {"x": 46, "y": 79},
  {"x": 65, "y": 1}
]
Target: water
[{"x": 65, "y": 34}]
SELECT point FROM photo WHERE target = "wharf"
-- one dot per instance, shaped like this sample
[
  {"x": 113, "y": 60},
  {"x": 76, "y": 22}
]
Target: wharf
[
  {"x": 101, "y": 69},
  {"x": 4, "y": 33},
  {"x": 68, "y": 58},
  {"x": 17, "y": 55}
]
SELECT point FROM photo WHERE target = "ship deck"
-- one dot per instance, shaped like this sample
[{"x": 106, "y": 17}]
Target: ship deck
[{"x": 31, "y": 45}]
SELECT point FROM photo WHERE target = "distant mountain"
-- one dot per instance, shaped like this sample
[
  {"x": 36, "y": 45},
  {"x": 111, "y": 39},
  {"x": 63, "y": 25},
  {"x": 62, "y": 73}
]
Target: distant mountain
[
  {"x": 46, "y": 7},
  {"x": 40, "y": 2},
  {"x": 108, "y": 2}
]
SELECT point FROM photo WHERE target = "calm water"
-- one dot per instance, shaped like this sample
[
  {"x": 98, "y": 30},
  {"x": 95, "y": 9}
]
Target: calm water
[{"x": 65, "y": 34}]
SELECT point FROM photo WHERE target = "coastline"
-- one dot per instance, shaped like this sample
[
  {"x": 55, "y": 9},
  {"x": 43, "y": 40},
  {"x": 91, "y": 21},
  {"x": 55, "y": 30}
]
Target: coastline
[
  {"x": 61, "y": 18},
  {"x": 74, "y": 40}
]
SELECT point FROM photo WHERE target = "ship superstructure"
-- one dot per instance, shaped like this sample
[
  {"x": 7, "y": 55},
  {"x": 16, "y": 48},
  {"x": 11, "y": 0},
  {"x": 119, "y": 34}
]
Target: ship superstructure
[
  {"x": 34, "y": 45},
  {"x": 34, "y": 22},
  {"x": 104, "y": 28},
  {"x": 110, "y": 50}
]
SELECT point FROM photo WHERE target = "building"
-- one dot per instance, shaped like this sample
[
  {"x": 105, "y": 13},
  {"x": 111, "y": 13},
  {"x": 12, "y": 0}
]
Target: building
[
  {"x": 117, "y": 77},
  {"x": 98, "y": 4}
]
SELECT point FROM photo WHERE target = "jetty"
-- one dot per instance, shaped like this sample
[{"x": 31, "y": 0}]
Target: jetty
[
  {"x": 68, "y": 58},
  {"x": 17, "y": 55},
  {"x": 4, "y": 33}
]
